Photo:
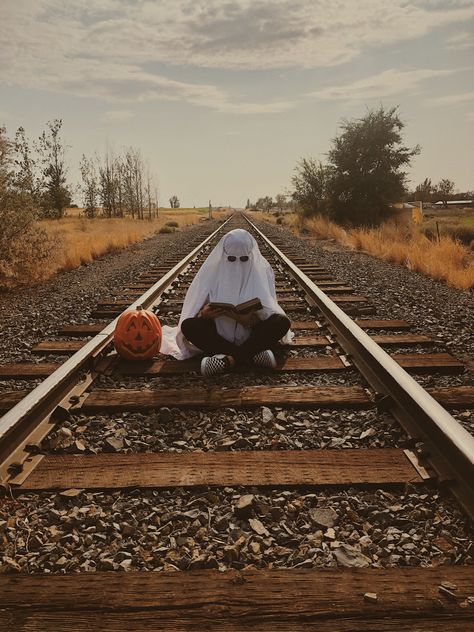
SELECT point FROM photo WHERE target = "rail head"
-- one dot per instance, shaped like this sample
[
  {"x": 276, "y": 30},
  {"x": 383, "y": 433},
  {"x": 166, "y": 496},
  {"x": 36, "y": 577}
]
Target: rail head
[
  {"x": 449, "y": 445},
  {"x": 16, "y": 424}
]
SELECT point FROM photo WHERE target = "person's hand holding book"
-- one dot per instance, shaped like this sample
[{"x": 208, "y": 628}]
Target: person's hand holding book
[{"x": 209, "y": 311}]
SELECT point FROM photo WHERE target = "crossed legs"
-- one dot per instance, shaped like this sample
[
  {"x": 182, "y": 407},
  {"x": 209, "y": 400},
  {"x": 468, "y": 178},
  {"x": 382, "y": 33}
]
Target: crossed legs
[{"x": 202, "y": 333}]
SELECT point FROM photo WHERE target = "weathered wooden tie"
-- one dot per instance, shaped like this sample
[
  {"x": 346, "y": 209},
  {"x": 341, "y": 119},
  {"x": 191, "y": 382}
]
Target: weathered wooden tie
[
  {"x": 375, "y": 466},
  {"x": 460, "y": 397},
  {"x": 90, "y": 329},
  {"x": 218, "y": 397},
  {"x": 58, "y": 347},
  {"x": 287, "y": 600}
]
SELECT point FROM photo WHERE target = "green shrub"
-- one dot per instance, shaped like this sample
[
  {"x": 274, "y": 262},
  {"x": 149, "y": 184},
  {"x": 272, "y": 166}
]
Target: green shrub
[
  {"x": 172, "y": 224},
  {"x": 164, "y": 230}
]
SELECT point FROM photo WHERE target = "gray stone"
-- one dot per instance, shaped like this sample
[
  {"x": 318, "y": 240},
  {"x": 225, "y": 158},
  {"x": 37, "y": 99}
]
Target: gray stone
[
  {"x": 113, "y": 444},
  {"x": 324, "y": 516},
  {"x": 348, "y": 556}
]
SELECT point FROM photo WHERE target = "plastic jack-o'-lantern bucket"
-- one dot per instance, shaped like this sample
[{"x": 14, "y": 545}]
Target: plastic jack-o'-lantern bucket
[{"x": 137, "y": 335}]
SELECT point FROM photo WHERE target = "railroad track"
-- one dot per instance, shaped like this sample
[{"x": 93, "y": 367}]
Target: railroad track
[{"x": 347, "y": 364}]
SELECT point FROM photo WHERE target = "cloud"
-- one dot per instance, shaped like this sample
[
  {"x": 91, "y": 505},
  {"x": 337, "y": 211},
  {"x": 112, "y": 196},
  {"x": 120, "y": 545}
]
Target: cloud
[
  {"x": 470, "y": 117},
  {"x": 460, "y": 41},
  {"x": 115, "y": 116},
  {"x": 385, "y": 84},
  {"x": 120, "y": 51},
  {"x": 453, "y": 99}
]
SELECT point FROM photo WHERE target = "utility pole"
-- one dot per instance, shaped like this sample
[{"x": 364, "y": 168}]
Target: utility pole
[{"x": 210, "y": 210}]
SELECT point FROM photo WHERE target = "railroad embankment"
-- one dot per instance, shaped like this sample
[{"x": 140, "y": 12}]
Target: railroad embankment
[{"x": 445, "y": 259}]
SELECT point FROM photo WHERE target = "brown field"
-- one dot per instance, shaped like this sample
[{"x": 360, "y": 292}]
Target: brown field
[
  {"x": 448, "y": 260},
  {"x": 82, "y": 240}
]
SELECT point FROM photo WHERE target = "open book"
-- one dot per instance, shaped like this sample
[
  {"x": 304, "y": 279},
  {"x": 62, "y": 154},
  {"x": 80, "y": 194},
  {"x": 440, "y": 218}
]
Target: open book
[{"x": 242, "y": 308}]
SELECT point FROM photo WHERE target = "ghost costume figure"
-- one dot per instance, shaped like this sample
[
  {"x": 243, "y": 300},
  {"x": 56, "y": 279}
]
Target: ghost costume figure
[{"x": 234, "y": 272}]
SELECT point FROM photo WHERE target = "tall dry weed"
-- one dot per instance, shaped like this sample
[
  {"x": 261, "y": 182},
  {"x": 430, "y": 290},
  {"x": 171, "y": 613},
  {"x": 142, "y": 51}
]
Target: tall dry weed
[
  {"x": 82, "y": 240},
  {"x": 322, "y": 228},
  {"x": 446, "y": 260}
]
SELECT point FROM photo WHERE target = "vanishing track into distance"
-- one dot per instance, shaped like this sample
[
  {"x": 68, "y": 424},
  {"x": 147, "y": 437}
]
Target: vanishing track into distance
[{"x": 342, "y": 359}]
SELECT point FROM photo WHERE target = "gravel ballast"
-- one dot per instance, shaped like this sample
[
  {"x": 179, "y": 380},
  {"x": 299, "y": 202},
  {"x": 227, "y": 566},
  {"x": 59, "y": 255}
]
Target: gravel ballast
[
  {"x": 214, "y": 528},
  {"x": 182, "y": 529},
  {"x": 431, "y": 307},
  {"x": 31, "y": 314}
]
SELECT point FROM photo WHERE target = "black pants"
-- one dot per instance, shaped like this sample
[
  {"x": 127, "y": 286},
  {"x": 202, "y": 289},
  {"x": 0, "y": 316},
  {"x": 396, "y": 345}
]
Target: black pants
[{"x": 203, "y": 334}]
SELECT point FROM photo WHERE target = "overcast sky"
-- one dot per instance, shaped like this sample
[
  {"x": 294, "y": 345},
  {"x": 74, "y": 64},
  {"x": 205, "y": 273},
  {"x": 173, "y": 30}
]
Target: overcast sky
[{"x": 224, "y": 97}]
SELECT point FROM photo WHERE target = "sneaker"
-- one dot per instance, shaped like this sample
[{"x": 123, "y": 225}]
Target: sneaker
[
  {"x": 214, "y": 365},
  {"x": 266, "y": 359}
]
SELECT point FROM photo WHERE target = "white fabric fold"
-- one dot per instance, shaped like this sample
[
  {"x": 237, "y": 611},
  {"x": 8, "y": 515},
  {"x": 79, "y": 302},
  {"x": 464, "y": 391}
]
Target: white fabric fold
[{"x": 224, "y": 281}]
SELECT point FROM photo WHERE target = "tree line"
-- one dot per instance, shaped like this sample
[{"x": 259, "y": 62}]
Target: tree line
[
  {"x": 112, "y": 185},
  {"x": 118, "y": 186},
  {"x": 363, "y": 176},
  {"x": 443, "y": 191},
  {"x": 35, "y": 184}
]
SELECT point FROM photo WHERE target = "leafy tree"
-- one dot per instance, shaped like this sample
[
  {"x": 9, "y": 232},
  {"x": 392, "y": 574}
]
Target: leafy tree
[
  {"x": 56, "y": 195},
  {"x": 264, "y": 203},
  {"x": 24, "y": 246},
  {"x": 367, "y": 158},
  {"x": 444, "y": 190},
  {"x": 280, "y": 201},
  {"x": 312, "y": 186},
  {"x": 174, "y": 201},
  {"x": 424, "y": 191}
]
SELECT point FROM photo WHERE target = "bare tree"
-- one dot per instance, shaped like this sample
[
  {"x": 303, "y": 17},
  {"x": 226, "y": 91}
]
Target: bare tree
[
  {"x": 56, "y": 195},
  {"x": 90, "y": 187},
  {"x": 174, "y": 201},
  {"x": 125, "y": 188},
  {"x": 25, "y": 162},
  {"x": 108, "y": 183}
]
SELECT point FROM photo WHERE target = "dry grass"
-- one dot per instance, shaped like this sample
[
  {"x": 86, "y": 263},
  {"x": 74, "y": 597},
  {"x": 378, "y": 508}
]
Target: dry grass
[
  {"x": 76, "y": 240},
  {"x": 322, "y": 228},
  {"x": 80, "y": 240},
  {"x": 447, "y": 260},
  {"x": 453, "y": 222}
]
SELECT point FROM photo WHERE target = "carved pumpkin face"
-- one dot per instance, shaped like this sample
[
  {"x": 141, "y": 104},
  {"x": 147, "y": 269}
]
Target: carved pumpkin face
[{"x": 137, "y": 335}]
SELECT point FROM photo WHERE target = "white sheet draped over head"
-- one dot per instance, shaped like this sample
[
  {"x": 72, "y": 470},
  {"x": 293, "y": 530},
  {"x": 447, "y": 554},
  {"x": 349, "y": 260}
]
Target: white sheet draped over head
[{"x": 224, "y": 281}]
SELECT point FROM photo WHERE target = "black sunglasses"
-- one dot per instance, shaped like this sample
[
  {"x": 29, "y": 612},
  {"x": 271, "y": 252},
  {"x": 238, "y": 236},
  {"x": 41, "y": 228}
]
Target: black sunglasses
[{"x": 233, "y": 258}]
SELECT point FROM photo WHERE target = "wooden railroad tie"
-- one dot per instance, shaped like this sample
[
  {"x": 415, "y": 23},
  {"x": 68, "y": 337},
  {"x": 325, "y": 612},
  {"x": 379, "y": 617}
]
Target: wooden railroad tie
[
  {"x": 460, "y": 397},
  {"x": 371, "y": 466},
  {"x": 286, "y": 600},
  {"x": 220, "y": 397},
  {"x": 89, "y": 329},
  {"x": 70, "y": 346}
]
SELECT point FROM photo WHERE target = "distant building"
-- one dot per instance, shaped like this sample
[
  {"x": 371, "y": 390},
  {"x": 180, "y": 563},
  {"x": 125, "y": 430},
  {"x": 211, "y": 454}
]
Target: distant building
[{"x": 455, "y": 203}]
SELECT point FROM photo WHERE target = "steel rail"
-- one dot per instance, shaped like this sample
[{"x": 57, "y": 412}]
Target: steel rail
[
  {"x": 17, "y": 426},
  {"x": 447, "y": 445}
]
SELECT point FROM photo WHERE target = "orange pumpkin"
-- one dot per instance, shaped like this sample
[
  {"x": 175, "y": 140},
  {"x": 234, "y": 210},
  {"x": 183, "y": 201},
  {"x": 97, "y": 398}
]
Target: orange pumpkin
[{"x": 137, "y": 335}]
